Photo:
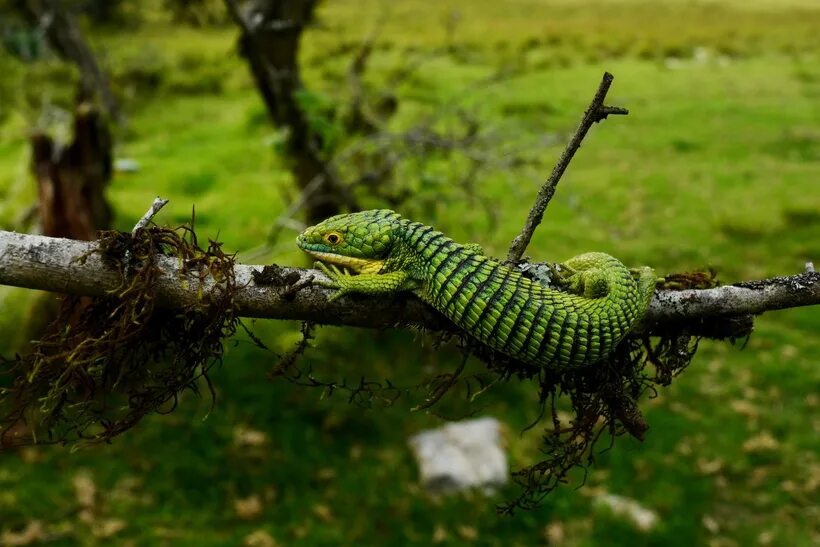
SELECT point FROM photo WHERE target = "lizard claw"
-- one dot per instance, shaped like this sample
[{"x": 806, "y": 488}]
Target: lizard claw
[
  {"x": 336, "y": 280},
  {"x": 336, "y": 295}
]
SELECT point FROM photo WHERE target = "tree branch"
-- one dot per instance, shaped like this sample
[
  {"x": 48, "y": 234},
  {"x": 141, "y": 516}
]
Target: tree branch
[
  {"x": 596, "y": 112},
  {"x": 76, "y": 267},
  {"x": 143, "y": 222}
]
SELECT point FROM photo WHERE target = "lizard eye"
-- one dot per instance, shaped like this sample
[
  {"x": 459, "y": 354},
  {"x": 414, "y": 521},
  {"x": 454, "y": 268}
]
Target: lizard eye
[{"x": 333, "y": 238}]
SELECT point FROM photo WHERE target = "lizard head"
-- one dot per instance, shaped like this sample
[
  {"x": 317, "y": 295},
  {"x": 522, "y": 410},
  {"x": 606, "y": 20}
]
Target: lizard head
[{"x": 357, "y": 241}]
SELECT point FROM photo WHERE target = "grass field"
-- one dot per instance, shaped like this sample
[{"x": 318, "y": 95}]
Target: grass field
[{"x": 718, "y": 164}]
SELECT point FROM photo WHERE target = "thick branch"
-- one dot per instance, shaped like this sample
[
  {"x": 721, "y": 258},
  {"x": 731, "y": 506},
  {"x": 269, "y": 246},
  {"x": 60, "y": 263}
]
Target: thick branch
[
  {"x": 744, "y": 298},
  {"x": 73, "y": 267},
  {"x": 596, "y": 112}
]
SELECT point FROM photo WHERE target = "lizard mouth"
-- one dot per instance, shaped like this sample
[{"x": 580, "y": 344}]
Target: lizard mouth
[{"x": 352, "y": 263}]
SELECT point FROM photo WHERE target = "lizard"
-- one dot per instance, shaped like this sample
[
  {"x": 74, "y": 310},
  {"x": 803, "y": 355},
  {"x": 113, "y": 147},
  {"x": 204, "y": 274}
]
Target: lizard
[{"x": 598, "y": 303}]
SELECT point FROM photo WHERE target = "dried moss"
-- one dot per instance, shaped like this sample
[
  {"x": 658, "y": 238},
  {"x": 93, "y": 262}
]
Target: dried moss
[{"x": 107, "y": 362}]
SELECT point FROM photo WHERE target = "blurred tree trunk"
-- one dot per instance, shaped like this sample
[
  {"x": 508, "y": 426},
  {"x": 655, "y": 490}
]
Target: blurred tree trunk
[
  {"x": 65, "y": 38},
  {"x": 271, "y": 32},
  {"x": 71, "y": 180}
]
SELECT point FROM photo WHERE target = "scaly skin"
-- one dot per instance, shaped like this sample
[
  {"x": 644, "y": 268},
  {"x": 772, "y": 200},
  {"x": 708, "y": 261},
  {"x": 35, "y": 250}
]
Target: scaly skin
[{"x": 601, "y": 303}]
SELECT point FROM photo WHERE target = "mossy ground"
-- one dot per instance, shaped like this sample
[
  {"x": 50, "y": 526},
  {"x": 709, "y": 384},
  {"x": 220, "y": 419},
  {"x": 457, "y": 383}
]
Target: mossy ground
[{"x": 717, "y": 165}]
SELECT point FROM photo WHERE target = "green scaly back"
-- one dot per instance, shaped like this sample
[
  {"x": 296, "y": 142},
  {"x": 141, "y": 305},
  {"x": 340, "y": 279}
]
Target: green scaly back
[{"x": 599, "y": 305}]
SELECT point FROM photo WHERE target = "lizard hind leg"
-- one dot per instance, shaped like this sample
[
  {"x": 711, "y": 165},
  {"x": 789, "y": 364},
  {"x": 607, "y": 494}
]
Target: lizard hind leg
[
  {"x": 591, "y": 283},
  {"x": 589, "y": 279}
]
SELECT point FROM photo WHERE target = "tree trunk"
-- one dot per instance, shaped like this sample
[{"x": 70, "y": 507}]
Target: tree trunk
[
  {"x": 71, "y": 180},
  {"x": 65, "y": 38},
  {"x": 271, "y": 31}
]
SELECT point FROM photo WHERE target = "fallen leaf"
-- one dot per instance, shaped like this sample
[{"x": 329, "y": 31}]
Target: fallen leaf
[
  {"x": 323, "y": 512},
  {"x": 467, "y": 533},
  {"x": 554, "y": 533},
  {"x": 259, "y": 538},
  {"x": 326, "y": 474},
  {"x": 84, "y": 489},
  {"x": 745, "y": 408},
  {"x": 439, "y": 534},
  {"x": 763, "y": 442},
  {"x": 709, "y": 467},
  {"x": 246, "y": 437},
  {"x": 108, "y": 527},
  {"x": 32, "y": 533},
  {"x": 758, "y": 475},
  {"x": 766, "y": 537},
  {"x": 684, "y": 446},
  {"x": 710, "y": 524},
  {"x": 642, "y": 518},
  {"x": 248, "y": 508}
]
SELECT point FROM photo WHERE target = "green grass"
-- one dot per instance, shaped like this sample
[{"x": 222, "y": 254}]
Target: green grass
[{"x": 717, "y": 164}]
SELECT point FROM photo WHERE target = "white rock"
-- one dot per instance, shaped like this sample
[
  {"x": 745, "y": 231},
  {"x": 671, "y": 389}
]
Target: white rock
[{"x": 461, "y": 455}]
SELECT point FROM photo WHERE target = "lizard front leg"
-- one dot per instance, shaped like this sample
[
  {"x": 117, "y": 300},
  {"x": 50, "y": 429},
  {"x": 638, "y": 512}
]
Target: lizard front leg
[{"x": 345, "y": 283}]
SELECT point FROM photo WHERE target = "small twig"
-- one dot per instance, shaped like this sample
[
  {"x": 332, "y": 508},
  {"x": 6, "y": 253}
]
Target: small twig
[
  {"x": 158, "y": 204},
  {"x": 596, "y": 112},
  {"x": 291, "y": 290},
  {"x": 143, "y": 222}
]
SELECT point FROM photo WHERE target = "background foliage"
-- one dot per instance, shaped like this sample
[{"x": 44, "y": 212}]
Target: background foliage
[{"x": 717, "y": 165}]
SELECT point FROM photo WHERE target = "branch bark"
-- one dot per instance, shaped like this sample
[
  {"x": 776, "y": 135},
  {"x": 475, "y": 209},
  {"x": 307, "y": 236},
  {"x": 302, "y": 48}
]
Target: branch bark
[{"x": 74, "y": 267}]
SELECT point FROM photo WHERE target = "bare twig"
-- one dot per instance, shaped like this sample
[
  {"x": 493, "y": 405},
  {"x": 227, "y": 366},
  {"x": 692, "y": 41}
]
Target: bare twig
[
  {"x": 158, "y": 204},
  {"x": 596, "y": 112},
  {"x": 75, "y": 267},
  {"x": 302, "y": 283}
]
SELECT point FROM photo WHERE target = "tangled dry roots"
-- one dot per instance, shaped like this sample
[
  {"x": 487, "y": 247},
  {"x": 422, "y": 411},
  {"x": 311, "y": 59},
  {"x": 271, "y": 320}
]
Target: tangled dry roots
[
  {"x": 600, "y": 401},
  {"x": 602, "y": 398},
  {"x": 107, "y": 362},
  {"x": 603, "y": 402}
]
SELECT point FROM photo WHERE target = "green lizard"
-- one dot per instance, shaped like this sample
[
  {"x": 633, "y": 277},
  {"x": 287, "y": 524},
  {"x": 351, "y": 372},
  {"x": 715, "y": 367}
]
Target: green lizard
[{"x": 600, "y": 303}]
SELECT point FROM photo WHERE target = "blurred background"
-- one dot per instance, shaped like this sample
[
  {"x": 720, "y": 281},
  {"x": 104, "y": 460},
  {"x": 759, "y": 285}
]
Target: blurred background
[{"x": 267, "y": 115}]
